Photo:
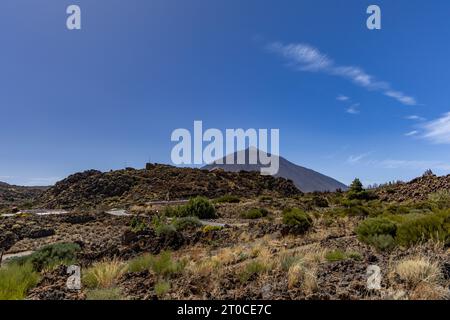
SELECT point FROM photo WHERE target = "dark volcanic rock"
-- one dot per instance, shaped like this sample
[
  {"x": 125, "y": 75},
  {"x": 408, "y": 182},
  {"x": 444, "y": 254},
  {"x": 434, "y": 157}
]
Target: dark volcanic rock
[
  {"x": 40, "y": 233},
  {"x": 78, "y": 219},
  {"x": 417, "y": 189},
  {"x": 53, "y": 286},
  {"x": 126, "y": 187},
  {"x": 7, "y": 240}
]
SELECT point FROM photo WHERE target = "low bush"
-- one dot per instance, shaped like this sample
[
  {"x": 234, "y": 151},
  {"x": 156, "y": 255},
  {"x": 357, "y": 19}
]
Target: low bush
[
  {"x": 51, "y": 256},
  {"x": 255, "y": 213},
  {"x": 421, "y": 228},
  {"x": 386, "y": 231},
  {"x": 441, "y": 199},
  {"x": 163, "y": 265},
  {"x": 383, "y": 242},
  {"x": 209, "y": 228},
  {"x": 161, "y": 288},
  {"x": 165, "y": 230},
  {"x": 355, "y": 255},
  {"x": 141, "y": 263},
  {"x": 199, "y": 207},
  {"x": 137, "y": 225},
  {"x": 184, "y": 223},
  {"x": 297, "y": 218},
  {"x": 370, "y": 229},
  {"x": 318, "y": 201},
  {"x": 228, "y": 199}
]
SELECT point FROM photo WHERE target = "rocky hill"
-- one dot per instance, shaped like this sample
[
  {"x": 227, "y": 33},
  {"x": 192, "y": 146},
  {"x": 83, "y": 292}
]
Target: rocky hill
[
  {"x": 417, "y": 189},
  {"x": 305, "y": 179},
  {"x": 158, "y": 182},
  {"x": 11, "y": 195}
]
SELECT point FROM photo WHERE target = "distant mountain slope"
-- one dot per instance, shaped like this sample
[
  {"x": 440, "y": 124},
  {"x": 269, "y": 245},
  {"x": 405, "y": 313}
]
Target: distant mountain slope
[
  {"x": 11, "y": 195},
  {"x": 305, "y": 179}
]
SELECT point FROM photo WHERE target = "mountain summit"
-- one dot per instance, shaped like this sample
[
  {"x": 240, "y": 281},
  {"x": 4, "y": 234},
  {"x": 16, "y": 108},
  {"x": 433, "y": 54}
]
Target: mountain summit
[{"x": 305, "y": 179}]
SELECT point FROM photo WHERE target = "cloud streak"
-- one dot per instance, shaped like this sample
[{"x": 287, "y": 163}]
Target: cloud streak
[
  {"x": 438, "y": 130},
  {"x": 397, "y": 164},
  {"x": 357, "y": 159},
  {"x": 353, "y": 109},
  {"x": 412, "y": 164},
  {"x": 304, "y": 57},
  {"x": 411, "y": 133}
]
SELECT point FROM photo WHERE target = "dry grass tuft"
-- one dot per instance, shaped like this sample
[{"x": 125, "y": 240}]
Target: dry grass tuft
[
  {"x": 300, "y": 274},
  {"x": 104, "y": 274},
  {"x": 420, "y": 269},
  {"x": 429, "y": 291}
]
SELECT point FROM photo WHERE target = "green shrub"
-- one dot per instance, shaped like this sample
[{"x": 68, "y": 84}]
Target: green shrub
[
  {"x": 297, "y": 218},
  {"x": 174, "y": 211},
  {"x": 397, "y": 209},
  {"x": 199, "y": 207},
  {"x": 141, "y": 263},
  {"x": 137, "y": 225},
  {"x": 51, "y": 256},
  {"x": 228, "y": 199},
  {"x": 355, "y": 255},
  {"x": 370, "y": 230},
  {"x": 318, "y": 201},
  {"x": 335, "y": 255},
  {"x": 186, "y": 223},
  {"x": 255, "y": 213},
  {"x": 363, "y": 195},
  {"x": 421, "y": 228},
  {"x": 161, "y": 288},
  {"x": 251, "y": 269},
  {"x": 165, "y": 266},
  {"x": 441, "y": 199},
  {"x": 16, "y": 280},
  {"x": 209, "y": 228},
  {"x": 382, "y": 242},
  {"x": 389, "y": 230},
  {"x": 165, "y": 230}
]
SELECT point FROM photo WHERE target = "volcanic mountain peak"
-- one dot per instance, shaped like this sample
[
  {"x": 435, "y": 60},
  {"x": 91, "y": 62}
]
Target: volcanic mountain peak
[{"x": 305, "y": 179}]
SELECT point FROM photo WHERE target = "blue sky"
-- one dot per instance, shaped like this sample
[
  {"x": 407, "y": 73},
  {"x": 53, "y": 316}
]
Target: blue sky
[{"x": 349, "y": 102}]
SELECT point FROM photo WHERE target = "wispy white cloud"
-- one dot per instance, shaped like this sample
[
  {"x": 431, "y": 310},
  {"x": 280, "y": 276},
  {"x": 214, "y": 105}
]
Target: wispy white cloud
[
  {"x": 342, "y": 98},
  {"x": 353, "y": 159},
  {"x": 412, "y": 164},
  {"x": 363, "y": 159},
  {"x": 353, "y": 109},
  {"x": 411, "y": 133},
  {"x": 438, "y": 130},
  {"x": 400, "y": 96},
  {"x": 305, "y": 57},
  {"x": 415, "y": 117}
]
